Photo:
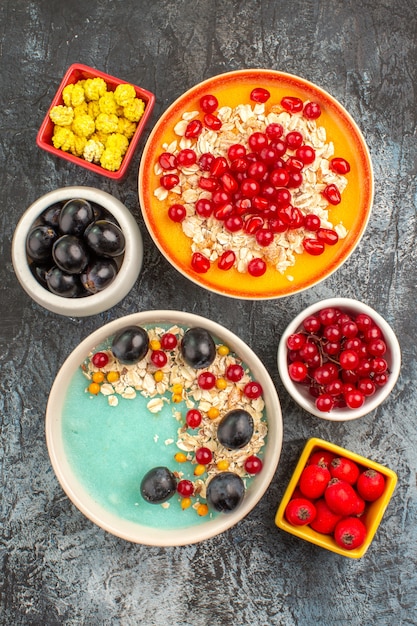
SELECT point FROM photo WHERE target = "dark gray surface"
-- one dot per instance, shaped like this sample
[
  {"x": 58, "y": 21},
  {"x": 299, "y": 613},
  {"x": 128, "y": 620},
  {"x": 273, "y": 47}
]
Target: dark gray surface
[{"x": 57, "y": 567}]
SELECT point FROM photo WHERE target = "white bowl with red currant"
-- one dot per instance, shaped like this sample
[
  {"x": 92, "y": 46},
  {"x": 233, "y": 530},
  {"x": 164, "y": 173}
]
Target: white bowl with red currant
[
  {"x": 339, "y": 359},
  {"x": 77, "y": 251}
]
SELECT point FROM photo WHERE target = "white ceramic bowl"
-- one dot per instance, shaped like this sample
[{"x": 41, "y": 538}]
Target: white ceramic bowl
[
  {"x": 300, "y": 392},
  {"x": 137, "y": 531},
  {"x": 101, "y": 301}
]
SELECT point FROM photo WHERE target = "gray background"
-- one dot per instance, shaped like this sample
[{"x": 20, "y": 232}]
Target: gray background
[{"x": 56, "y": 566}]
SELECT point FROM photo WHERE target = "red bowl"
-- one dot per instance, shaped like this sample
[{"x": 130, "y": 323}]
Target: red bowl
[{"x": 78, "y": 72}]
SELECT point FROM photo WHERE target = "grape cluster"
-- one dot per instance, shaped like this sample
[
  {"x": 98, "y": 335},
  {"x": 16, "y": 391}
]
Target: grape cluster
[{"x": 339, "y": 357}]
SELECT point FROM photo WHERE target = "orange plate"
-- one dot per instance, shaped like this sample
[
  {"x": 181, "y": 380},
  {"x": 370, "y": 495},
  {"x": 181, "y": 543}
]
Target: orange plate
[
  {"x": 77, "y": 72},
  {"x": 232, "y": 89}
]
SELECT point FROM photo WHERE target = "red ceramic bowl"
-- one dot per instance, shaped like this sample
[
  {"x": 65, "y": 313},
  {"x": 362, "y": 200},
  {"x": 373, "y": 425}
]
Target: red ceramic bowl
[{"x": 78, "y": 72}]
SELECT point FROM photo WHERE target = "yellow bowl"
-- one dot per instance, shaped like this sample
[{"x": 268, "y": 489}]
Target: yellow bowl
[
  {"x": 373, "y": 512},
  {"x": 232, "y": 89}
]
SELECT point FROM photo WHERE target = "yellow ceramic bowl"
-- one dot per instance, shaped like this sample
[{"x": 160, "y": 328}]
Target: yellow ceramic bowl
[
  {"x": 232, "y": 89},
  {"x": 373, "y": 512}
]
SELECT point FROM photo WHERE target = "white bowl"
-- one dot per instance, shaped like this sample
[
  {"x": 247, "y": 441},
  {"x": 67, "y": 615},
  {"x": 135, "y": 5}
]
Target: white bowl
[
  {"x": 135, "y": 530},
  {"x": 300, "y": 392},
  {"x": 88, "y": 305}
]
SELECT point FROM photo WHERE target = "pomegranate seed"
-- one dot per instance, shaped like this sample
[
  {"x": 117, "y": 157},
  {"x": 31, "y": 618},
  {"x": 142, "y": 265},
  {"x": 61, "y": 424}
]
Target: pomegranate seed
[
  {"x": 326, "y": 235},
  {"x": 168, "y": 181},
  {"x": 332, "y": 194},
  {"x": 204, "y": 207},
  {"x": 257, "y": 170},
  {"x": 256, "y": 267},
  {"x": 236, "y": 151},
  {"x": 212, "y": 122},
  {"x": 259, "y": 94},
  {"x": 249, "y": 188},
  {"x": 259, "y": 203},
  {"x": 277, "y": 225},
  {"x": 242, "y": 206},
  {"x": 274, "y": 130},
  {"x": 253, "y": 224},
  {"x": 339, "y": 165},
  {"x": 233, "y": 223},
  {"x": 257, "y": 141},
  {"x": 296, "y": 180},
  {"x": 240, "y": 164},
  {"x": 167, "y": 161},
  {"x": 229, "y": 183},
  {"x": 264, "y": 237},
  {"x": 220, "y": 197},
  {"x": 283, "y": 197},
  {"x": 312, "y": 110},
  {"x": 205, "y": 161},
  {"x": 219, "y": 167},
  {"x": 186, "y": 157},
  {"x": 313, "y": 246},
  {"x": 294, "y": 139},
  {"x": 177, "y": 212},
  {"x": 200, "y": 263},
  {"x": 209, "y": 103},
  {"x": 193, "y": 129},
  {"x": 280, "y": 146},
  {"x": 292, "y": 104},
  {"x": 306, "y": 154},
  {"x": 209, "y": 184},
  {"x": 227, "y": 260},
  {"x": 294, "y": 165},
  {"x": 312, "y": 222},
  {"x": 279, "y": 177},
  {"x": 269, "y": 155},
  {"x": 224, "y": 211}
]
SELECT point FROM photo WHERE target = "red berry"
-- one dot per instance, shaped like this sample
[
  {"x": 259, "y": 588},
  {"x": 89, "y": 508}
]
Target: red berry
[
  {"x": 370, "y": 485},
  {"x": 159, "y": 358},
  {"x": 313, "y": 481},
  {"x": 325, "y": 402},
  {"x": 350, "y": 533},
  {"x": 206, "y": 380},
  {"x": 294, "y": 140},
  {"x": 321, "y": 457},
  {"x": 325, "y": 520},
  {"x": 253, "y": 464},
  {"x": 168, "y": 341},
  {"x": 300, "y": 511},
  {"x": 327, "y": 235},
  {"x": 185, "y": 488},
  {"x": 297, "y": 371},
  {"x": 203, "y": 455},
  {"x": 186, "y": 157},
  {"x": 236, "y": 151},
  {"x": 168, "y": 181},
  {"x": 253, "y": 390},
  {"x": 100, "y": 359},
  {"x": 212, "y": 122},
  {"x": 234, "y": 372},
  {"x": 296, "y": 341},
  {"x": 313, "y": 246},
  {"x": 193, "y": 418},
  {"x": 167, "y": 161},
  {"x": 354, "y": 399},
  {"x": 341, "y": 497},
  {"x": 344, "y": 469}
]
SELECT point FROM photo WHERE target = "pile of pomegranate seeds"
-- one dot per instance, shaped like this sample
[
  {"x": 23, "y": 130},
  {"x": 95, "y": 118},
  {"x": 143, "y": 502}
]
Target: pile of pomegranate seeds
[
  {"x": 339, "y": 357},
  {"x": 252, "y": 186}
]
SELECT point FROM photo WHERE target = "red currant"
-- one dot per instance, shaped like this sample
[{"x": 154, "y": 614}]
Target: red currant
[
  {"x": 253, "y": 390},
  {"x": 186, "y": 157},
  {"x": 193, "y": 418},
  {"x": 206, "y": 380},
  {"x": 203, "y": 455},
  {"x": 159, "y": 358},
  {"x": 297, "y": 371},
  {"x": 185, "y": 488},
  {"x": 100, "y": 359},
  {"x": 168, "y": 341},
  {"x": 253, "y": 464},
  {"x": 234, "y": 372}
]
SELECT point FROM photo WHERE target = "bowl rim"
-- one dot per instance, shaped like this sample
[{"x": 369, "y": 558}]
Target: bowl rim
[
  {"x": 199, "y": 279},
  {"x": 337, "y": 414},
  {"x": 96, "y": 303},
  {"x": 131, "y": 531},
  {"x": 315, "y": 537},
  {"x": 90, "y": 72}
]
